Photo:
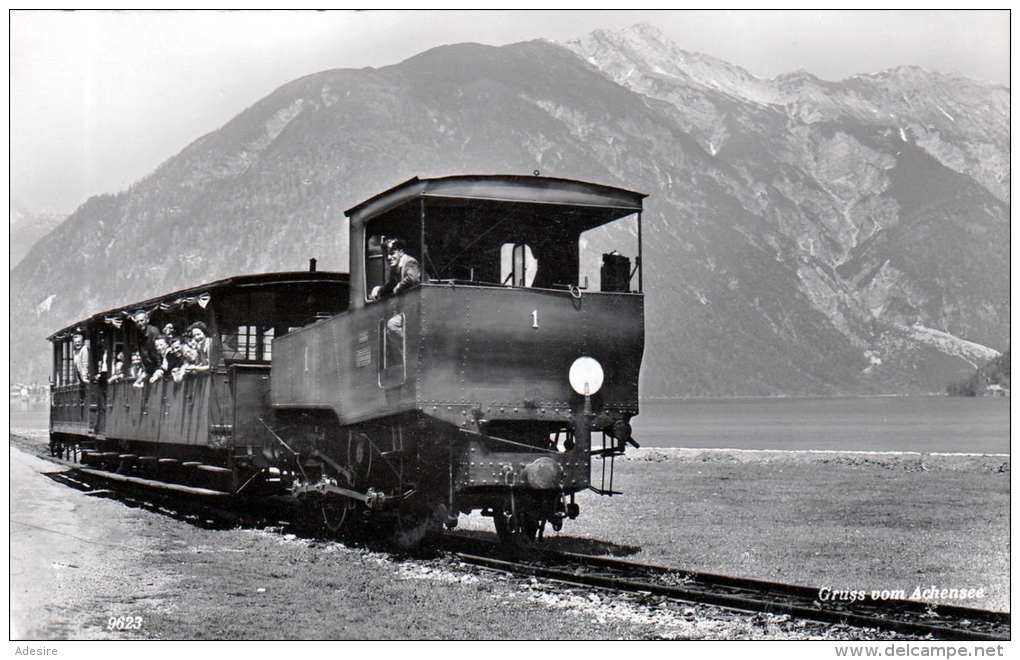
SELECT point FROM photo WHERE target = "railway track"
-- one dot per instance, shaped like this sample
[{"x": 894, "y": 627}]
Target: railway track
[
  {"x": 942, "y": 622},
  {"x": 914, "y": 618}
]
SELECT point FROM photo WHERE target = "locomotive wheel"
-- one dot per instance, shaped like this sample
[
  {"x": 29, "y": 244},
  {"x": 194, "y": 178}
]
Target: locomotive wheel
[{"x": 336, "y": 512}]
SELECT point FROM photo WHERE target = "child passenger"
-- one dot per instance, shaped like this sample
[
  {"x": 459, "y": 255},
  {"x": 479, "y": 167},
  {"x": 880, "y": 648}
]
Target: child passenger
[
  {"x": 137, "y": 370},
  {"x": 118, "y": 369}
]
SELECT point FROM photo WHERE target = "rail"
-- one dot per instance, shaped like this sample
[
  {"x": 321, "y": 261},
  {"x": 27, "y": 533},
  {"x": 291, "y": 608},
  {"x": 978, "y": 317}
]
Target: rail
[{"x": 944, "y": 622}]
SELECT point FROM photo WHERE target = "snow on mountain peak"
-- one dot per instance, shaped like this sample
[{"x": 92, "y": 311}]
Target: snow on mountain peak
[{"x": 645, "y": 48}]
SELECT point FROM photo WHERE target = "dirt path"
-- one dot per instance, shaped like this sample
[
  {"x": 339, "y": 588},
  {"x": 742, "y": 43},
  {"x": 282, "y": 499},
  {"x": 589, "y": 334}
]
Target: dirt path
[
  {"x": 73, "y": 564},
  {"x": 78, "y": 561}
]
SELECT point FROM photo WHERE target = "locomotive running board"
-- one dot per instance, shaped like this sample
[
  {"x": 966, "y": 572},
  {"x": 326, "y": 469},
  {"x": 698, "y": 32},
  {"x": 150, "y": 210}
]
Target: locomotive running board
[{"x": 149, "y": 483}]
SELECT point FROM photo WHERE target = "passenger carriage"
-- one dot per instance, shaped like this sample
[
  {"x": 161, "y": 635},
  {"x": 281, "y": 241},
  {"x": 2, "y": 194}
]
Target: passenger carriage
[{"x": 186, "y": 432}]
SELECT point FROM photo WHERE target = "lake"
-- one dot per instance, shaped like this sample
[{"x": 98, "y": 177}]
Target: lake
[
  {"x": 909, "y": 423},
  {"x": 916, "y": 423}
]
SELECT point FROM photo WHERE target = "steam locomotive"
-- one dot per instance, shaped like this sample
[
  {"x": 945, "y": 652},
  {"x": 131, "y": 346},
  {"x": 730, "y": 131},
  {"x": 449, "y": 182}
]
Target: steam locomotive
[{"x": 491, "y": 385}]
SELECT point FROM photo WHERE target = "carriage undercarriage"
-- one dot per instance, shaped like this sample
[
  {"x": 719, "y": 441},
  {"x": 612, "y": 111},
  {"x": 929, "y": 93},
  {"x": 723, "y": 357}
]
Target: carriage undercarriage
[{"x": 408, "y": 477}]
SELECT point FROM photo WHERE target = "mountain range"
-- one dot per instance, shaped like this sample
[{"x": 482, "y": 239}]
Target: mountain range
[
  {"x": 27, "y": 227},
  {"x": 802, "y": 236}
]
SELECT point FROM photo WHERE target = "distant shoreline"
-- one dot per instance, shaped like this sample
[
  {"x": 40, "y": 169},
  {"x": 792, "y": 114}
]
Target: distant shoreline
[{"x": 790, "y": 397}]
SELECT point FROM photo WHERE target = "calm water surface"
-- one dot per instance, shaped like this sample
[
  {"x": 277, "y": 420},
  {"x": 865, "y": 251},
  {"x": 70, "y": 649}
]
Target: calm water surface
[{"x": 929, "y": 424}]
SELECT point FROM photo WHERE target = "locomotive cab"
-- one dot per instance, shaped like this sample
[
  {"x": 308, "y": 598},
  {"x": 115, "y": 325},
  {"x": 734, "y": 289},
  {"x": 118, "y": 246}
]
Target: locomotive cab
[
  {"x": 468, "y": 370},
  {"x": 517, "y": 232}
]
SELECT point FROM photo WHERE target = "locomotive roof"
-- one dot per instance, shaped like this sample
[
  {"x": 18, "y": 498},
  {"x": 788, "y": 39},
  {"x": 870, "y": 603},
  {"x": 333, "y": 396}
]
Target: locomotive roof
[
  {"x": 512, "y": 189},
  {"x": 258, "y": 279}
]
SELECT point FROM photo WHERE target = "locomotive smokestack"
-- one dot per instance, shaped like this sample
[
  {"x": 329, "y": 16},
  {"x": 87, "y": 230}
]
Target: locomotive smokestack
[{"x": 311, "y": 265}]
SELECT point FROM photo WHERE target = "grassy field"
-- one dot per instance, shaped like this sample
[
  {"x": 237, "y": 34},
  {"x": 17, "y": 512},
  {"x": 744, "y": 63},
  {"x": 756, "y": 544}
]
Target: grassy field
[
  {"x": 848, "y": 521},
  {"x": 842, "y": 520}
]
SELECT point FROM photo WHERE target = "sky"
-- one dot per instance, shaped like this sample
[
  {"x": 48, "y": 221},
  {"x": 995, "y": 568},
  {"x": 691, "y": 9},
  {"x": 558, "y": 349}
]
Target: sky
[{"x": 99, "y": 99}]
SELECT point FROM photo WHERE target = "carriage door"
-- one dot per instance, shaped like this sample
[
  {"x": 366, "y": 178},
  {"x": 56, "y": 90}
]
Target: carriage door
[
  {"x": 250, "y": 371},
  {"x": 99, "y": 370}
]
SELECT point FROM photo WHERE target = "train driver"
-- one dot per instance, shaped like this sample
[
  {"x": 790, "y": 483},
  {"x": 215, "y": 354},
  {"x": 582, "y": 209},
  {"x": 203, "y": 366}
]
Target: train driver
[{"x": 404, "y": 271}]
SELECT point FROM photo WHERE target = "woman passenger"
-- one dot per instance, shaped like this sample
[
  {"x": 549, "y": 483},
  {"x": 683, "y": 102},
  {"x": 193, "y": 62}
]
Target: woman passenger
[{"x": 201, "y": 341}]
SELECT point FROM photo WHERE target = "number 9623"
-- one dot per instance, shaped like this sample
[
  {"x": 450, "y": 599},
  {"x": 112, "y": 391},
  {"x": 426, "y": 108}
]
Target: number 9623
[{"x": 124, "y": 623}]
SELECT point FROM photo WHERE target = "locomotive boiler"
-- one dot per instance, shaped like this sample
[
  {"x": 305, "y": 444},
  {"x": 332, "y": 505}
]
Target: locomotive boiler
[{"x": 489, "y": 385}]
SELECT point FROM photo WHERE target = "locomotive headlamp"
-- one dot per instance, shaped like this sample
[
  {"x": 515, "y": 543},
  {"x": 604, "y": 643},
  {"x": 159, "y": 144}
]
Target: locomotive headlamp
[{"x": 586, "y": 375}]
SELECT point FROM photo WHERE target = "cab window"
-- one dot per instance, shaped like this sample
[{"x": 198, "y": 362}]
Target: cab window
[
  {"x": 518, "y": 265},
  {"x": 375, "y": 262}
]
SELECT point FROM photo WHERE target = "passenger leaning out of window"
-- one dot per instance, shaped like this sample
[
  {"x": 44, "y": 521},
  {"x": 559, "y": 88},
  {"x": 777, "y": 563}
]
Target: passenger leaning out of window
[
  {"x": 404, "y": 271},
  {"x": 162, "y": 349},
  {"x": 151, "y": 356},
  {"x": 81, "y": 357},
  {"x": 189, "y": 356},
  {"x": 200, "y": 341}
]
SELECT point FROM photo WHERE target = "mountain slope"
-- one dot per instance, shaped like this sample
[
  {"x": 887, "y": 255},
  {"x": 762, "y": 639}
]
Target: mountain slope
[
  {"x": 868, "y": 185},
  {"x": 768, "y": 241},
  {"x": 27, "y": 227}
]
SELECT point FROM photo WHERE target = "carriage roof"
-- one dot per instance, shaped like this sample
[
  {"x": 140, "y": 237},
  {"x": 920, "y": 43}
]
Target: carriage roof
[
  {"x": 194, "y": 293},
  {"x": 605, "y": 202}
]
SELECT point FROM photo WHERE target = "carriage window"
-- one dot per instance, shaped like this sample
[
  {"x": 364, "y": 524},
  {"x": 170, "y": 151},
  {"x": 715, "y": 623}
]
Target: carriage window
[
  {"x": 68, "y": 363},
  {"x": 239, "y": 345},
  {"x": 517, "y": 265},
  {"x": 246, "y": 342},
  {"x": 267, "y": 344},
  {"x": 249, "y": 343},
  {"x": 251, "y": 318},
  {"x": 58, "y": 362}
]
